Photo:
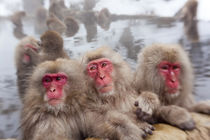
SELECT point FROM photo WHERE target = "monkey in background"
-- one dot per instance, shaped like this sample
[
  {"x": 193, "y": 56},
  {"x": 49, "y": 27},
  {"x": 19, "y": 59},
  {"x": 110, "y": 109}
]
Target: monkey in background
[
  {"x": 166, "y": 70},
  {"x": 56, "y": 107},
  {"x": 26, "y": 58},
  {"x": 110, "y": 81},
  {"x": 72, "y": 26},
  {"x": 52, "y": 46}
]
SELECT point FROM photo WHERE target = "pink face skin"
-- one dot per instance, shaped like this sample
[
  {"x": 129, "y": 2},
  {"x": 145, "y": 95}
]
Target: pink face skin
[
  {"x": 53, "y": 84},
  {"x": 100, "y": 70},
  {"x": 170, "y": 72},
  {"x": 26, "y": 57}
]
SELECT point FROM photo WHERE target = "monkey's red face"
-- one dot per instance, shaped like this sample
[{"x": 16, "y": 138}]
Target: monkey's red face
[
  {"x": 26, "y": 57},
  {"x": 170, "y": 72},
  {"x": 100, "y": 70},
  {"x": 54, "y": 84}
]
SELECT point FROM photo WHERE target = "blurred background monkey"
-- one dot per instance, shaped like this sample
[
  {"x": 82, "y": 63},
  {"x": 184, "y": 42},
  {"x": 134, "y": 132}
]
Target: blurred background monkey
[{"x": 26, "y": 58}]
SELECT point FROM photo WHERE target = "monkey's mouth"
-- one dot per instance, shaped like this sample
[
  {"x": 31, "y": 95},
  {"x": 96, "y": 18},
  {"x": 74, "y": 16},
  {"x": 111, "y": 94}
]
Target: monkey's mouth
[
  {"x": 172, "y": 90},
  {"x": 54, "y": 101},
  {"x": 105, "y": 88}
]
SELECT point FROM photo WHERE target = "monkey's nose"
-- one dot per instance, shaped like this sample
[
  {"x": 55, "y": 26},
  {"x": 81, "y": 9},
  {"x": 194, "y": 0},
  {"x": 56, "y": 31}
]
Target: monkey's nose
[
  {"x": 102, "y": 76},
  {"x": 52, "y": 89}
]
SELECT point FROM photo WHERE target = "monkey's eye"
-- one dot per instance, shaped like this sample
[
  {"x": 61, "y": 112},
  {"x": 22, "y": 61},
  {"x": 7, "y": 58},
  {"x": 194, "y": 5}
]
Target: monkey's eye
[
  {"x": 164, "y": 67},
  {"x": 58, "y": 78},
  {"x": 175, "y": 67},
  {"x": 104, "y": 64},
  {"x": 47, "y": 79},
  {"x": 93, "y": 67}
]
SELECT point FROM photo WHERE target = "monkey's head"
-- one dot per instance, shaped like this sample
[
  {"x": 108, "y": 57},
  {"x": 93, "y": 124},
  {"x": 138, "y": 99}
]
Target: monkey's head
[
  {"x": 51, "y": 41},
  {"x": 107, "y": 71},
  {"x": 54, "y": 84},
  {"x": 165, "y": 70},
  {"x": 21, "y": 51}
]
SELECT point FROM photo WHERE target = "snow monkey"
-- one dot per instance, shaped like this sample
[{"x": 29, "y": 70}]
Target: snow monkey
[
  {"x": 110, "y": 78},
  {"x": 52, "y": 46},
  {"x": 57, "y": 107},
  {"x": 26, "y": 58},
  {"x": 166, "y": 70}
]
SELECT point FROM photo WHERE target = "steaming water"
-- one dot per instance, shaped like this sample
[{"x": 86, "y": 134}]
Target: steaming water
[
  {"x": 125, "y": 36},
  {"x": 157, "y": 7}
]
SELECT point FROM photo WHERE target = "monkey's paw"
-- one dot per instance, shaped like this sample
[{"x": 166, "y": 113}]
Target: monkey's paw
[
  {"x": 147, "y": 128},
  {"x": 202, "y": 107},
  {"x": 189, "y": 125},
  {"x": 143, "y": 116},
  {"x": 177, "y": 116}
]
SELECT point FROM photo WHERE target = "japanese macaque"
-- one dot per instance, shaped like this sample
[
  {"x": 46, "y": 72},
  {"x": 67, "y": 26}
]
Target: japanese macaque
[
  {"x": 72, "y": 26},
  {"x": 56, "y": 107},
  {"x": 189, "y": 11},
  {"x": 52, "y": 46},
  {"x": 110, "y": 79},
  {"x": 57, "y": 8},
  {"x": 53, "y": 87},
  {"x": 104, "y": 19},
  {"x": 89, "y": 4},
  {"x": 16, "y": 18},
  {"x": 189, "y": 14},
  {"x": 54, "y": 23},
  {"x": 40, "y": 20},
  {"x": 166, "y": 70},
  {"x": 26, "y": 57}
]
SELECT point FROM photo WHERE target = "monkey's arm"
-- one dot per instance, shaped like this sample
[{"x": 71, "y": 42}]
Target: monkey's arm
[
  {"x": 112, "y": 125},
  {"x": 201, "y": 107},
  {"x": 176, "y": 116}
]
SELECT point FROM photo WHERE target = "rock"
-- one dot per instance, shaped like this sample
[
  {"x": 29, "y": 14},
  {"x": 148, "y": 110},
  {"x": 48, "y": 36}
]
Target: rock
[{"x": 168, "y": 132}]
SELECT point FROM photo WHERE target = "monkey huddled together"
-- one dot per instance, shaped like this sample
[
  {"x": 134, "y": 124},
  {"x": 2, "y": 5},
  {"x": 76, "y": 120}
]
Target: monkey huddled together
[{"x": 99, "y": 95}]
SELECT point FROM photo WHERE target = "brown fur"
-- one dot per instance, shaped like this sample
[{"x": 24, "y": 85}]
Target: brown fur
[
  {"x": 16, "y": 18},
  {"x": 24, "y": 69},
  {"x": 39, "y": 120},
  {"x": 148, "y": 78},
  {"x": 52, "y": 46},
  {"x": 123, "y": 96},
  {"x": 104, "y": 19},
  {"x": 57, "y": 8},
  {"x": 75, "y": 119},
  {"x": 55, "y": 24},
  {"x": 72, "y": 26}
]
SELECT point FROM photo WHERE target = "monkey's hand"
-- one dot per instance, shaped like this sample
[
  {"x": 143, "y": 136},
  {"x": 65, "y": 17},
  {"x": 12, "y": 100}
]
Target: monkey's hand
[
  {"x": 147, "y": 128},
  {"x": 32, "y": 54},
  {"x": 146, "y": 105},
  {"x": 176, "y": 116},
  {"x": 201, "y": 107},
  {"x": 143, "y": 116}
]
